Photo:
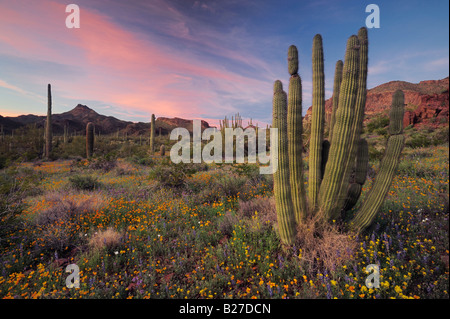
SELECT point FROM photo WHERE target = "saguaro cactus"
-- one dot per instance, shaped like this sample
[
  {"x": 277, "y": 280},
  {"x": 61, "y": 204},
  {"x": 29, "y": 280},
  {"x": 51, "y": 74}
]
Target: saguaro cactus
[
  {"x": 89, "y": 139},
  {"x": 152, "y": 134},
  {"x": 48, "y": 124},
  {"x": 162, "y": 150},
  {"x": 342, "y": 162}
]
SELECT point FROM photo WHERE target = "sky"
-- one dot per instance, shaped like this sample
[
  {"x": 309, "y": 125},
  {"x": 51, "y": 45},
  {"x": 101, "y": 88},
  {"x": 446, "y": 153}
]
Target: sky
[{"x": 201, "y": 59}]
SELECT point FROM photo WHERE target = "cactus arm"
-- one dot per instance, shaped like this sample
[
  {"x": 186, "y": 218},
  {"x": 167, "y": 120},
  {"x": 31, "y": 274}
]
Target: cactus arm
[
  {"x": 317, "y": 122},
  {"x": 383, "y": 180},
  {"x": 360, "y": 174},
  {"x": 282, "y": 191},
  {"x": 338, "y": 157},
  {"x": 294, "y": 136},
  {"x": 335, "y": 98}
]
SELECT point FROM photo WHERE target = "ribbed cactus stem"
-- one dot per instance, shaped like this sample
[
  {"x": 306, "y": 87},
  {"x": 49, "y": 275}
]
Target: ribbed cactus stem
[
  {"x": 383, "y": 180},
  {"x": 335, "y": 98},
  {"x": 162, "y": 150},
  {"x": 48, "y": 123},
  {"x": 282, "y": 190},
  {"x": 396, "y": 113},
  {"x": 360, "y": 174},
  {"x": 317, "y": 122},
  {"x": 89, "y": 139},
  {"x": 357, "y": 125},
  {"x": 294, "y": 136},
  {"x": 331, "y": 192},
  {"x": 152, "y": 134}
]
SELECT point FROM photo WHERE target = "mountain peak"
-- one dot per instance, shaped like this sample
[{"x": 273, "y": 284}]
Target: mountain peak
[{"x": 82, "y": 107}]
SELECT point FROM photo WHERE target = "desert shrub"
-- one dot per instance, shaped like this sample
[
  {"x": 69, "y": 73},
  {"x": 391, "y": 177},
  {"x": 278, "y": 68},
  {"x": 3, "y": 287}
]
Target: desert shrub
[
  {"x": 55, "y": 225},
  {"x": 67, "y": 207},
  {"x": 440, "y": 136},
  {"x": 382, "y": 131},
  {"x": 3, "y": 161},
  {"x": 375, "y": 154},
  {"x": 377, "y": 123},
  {"x": 145, "y": 160},
  {"x": 264, "y": 206},
  {"x": 172, "y": 175},
  {"x": 418, "y": 140},
  {"x": 105, "y": 239},
  {"x": 251, "y": 171},
  {"x": 226, "y": 224},
  {"x": 105, "y": 163},
  {"x": 230, "y": 186},
  {"x": 84, "y": 182}
]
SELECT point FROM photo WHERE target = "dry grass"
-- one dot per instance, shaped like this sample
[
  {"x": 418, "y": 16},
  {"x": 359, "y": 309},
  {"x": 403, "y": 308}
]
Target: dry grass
[
  {"x": 324, "y": 245},
  {"x": 109, "y": 239}
]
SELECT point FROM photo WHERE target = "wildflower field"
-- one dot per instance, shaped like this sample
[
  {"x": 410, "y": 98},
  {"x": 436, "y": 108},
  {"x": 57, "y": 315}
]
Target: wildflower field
[{"x": 159, "y": 230}]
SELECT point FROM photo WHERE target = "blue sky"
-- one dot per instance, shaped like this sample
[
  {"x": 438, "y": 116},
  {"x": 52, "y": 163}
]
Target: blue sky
[{"x": 201, "y": 58}]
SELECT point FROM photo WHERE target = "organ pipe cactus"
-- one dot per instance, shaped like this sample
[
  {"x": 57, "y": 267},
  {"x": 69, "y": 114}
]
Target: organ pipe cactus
[
  {"x": 338, "y": 167},
  {"x": 89, "y": 139}
]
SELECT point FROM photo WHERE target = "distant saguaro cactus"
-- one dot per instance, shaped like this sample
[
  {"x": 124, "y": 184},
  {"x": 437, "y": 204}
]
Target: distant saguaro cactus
[
  {"x": 90, "y": 139},
  {"x": 48, "y": 124},
  {"x": 338, "y": 168},
  {"x": 162, "y": 150},
  {"x": 152, "y": 134}
]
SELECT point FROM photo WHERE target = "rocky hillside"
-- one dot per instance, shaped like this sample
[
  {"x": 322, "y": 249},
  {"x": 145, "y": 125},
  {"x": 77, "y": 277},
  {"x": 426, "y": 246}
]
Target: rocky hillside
[{"x": 426, "y": 102}]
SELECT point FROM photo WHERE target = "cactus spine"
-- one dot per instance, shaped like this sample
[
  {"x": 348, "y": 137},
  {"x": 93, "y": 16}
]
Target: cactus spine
[
  {"x": 152, "y": 134},
  {"x": 317, "y": 122},
  {"x": 294, "y": 136},
  {"x": 339, "y": 189},
  {"x": 89, "y": 139},
  {"x": 48, "y": 123},
  {"x": 282, "y": 190}
]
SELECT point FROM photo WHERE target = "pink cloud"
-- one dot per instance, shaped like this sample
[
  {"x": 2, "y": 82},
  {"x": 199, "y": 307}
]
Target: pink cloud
[{"x": 124, "y": 68}]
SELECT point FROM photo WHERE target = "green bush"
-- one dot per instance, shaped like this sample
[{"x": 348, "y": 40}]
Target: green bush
[
  {"x": 84, "y": 182},
  {"x": 418, "y": 140},
  {"x": 377, "y": 123}
]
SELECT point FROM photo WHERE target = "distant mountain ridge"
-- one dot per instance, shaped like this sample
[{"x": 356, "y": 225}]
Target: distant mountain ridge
[
  {"x": 77, "y": 119},
  {"x": 427, "y": 102}
]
